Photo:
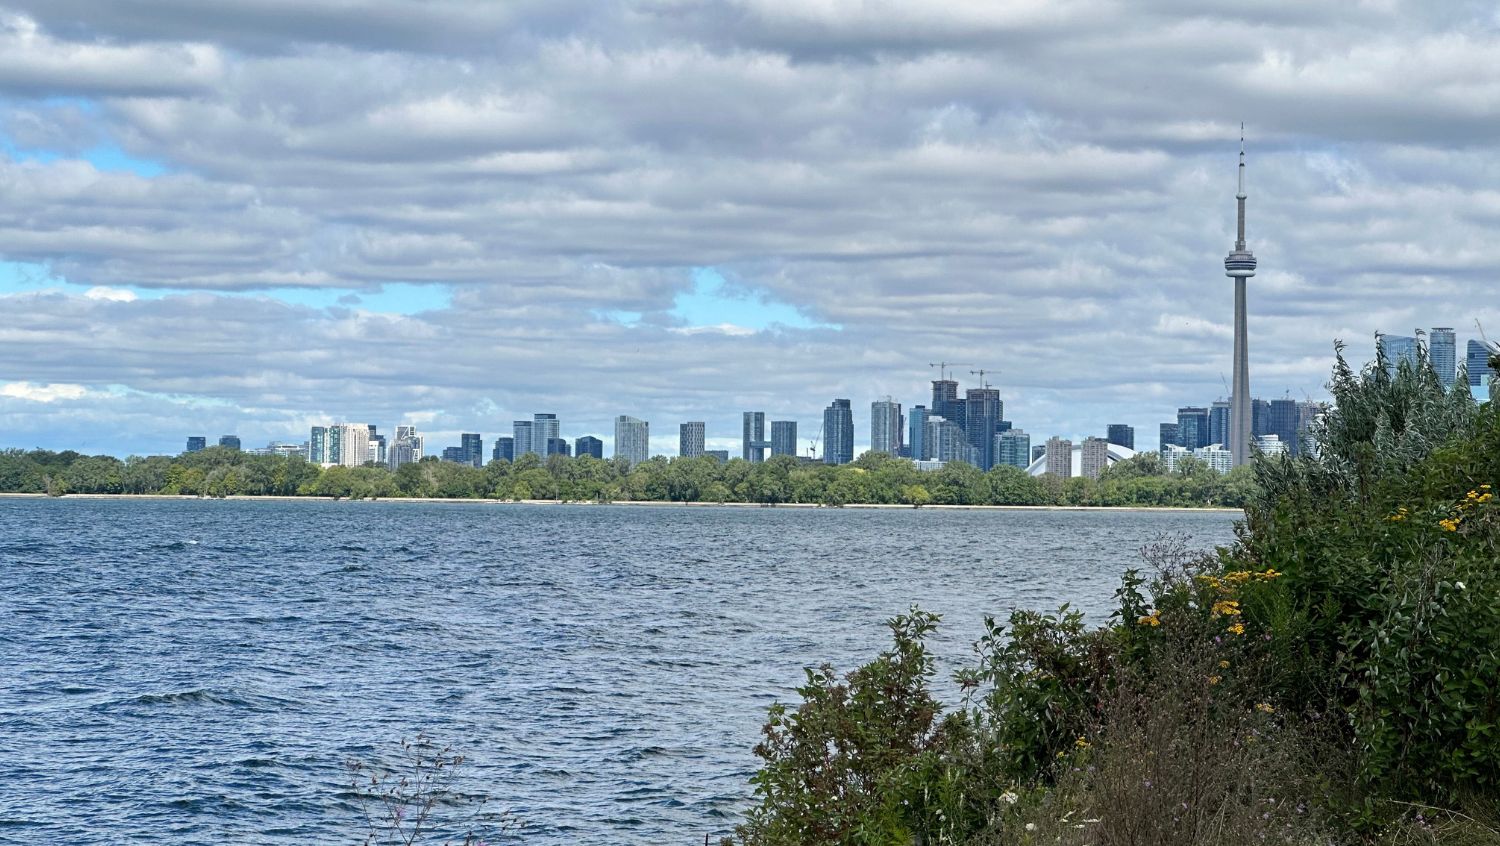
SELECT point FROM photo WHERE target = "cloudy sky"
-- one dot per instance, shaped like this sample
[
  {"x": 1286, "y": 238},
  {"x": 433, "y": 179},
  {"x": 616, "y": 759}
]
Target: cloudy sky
[{"x": 252, "y": 216}]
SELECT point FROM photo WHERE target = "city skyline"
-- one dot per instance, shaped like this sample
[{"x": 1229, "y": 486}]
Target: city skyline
[{"x": 317, "y": 215}]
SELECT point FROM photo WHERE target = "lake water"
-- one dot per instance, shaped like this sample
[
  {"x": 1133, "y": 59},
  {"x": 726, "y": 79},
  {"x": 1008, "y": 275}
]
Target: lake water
[{"x": 197, "y": 672}]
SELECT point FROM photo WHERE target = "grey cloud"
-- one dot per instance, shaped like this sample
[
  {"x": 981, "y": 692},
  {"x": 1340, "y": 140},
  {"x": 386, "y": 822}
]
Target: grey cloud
[{"x": 1045, "y": 189}]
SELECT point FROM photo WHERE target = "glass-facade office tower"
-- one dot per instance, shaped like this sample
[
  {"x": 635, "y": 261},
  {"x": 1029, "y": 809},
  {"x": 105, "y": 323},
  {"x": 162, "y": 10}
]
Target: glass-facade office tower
[
  {"x": 1192, "y": 427},
  {"x": 753, "y": 437},
  {"x": 1442, "y": 348},
  {"x": 632, "y": 439},
  {"x": 1478, "y": 361},
  {"x": 1398, "y": 348},
  {"x": 784, "y": 437},
  {"x": 471, "y": 446},
  {"x": 838, "y": 433},
  {"x": 1218, "y": 423},
  {"x": 1169, "y": 435},
  {"x": 917, "y": 426},
  {"x": 690, "y": 438},
  {"x": 521, "y": 430},
  {"x": 505, "y": 449},
  {"x": 1260, "y": 418},
  {"x": 947, "y": 441},
  {"x": 558, "y": 446},
  {"x": 317, "y": 445},
  {"x": 885, "y": 426},
  {"x": 588, "y": 445},
  {"x": 198, "y": 442},
  {"x": 1013, "y": 448},
  {"x": 945, "y": 401},
  {"x": 1121, "y": 435},
  {"x": 230, "y": 442},
  {"x": 544, "y": 430},
  {"x": 983, "y": 411},
  {"x": 1285, "y": 420}
]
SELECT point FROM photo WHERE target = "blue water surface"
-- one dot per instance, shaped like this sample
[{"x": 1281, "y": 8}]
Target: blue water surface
[{"x": 198, "y": 672}]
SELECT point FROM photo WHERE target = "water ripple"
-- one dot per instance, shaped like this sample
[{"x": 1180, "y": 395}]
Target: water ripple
[{"x": 185, "y": 672}]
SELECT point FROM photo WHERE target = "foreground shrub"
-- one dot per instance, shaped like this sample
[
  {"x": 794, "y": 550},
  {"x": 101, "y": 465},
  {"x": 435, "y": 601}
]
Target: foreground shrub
[{"x": 1331, "y": 677}]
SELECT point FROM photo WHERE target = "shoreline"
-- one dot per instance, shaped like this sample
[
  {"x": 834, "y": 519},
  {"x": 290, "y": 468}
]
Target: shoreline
[{"x": 642, "y": 503}]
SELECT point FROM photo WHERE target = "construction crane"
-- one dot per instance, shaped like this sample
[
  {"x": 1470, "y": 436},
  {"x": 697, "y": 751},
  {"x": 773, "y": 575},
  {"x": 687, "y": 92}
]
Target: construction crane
[
  {"x": 812, "y": 450},
  {"x": 980, "y": 373},
  {"x": 943, "y": 366}
]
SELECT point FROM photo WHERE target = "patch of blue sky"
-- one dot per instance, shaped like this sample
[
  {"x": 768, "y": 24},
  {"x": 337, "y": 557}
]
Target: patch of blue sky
[
  {"x": 107, "y": 158},
  {"x": 715, "y": 301},
  {"x": 390, "y": 298}
]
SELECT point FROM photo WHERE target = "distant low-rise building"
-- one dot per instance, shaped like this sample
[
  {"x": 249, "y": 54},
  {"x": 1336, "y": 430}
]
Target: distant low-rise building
[
  {"x": 195, "y": 443},
  {"x": 588, "y": 445},
  {"x": 230, "y": 442},
  {"x": 719, "y": 455}
]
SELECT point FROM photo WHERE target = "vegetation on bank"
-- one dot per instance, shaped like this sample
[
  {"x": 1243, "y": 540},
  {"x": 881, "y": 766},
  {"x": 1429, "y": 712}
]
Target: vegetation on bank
[
  {"x": 873, "y": 478},
  {"x": 1329, "y": 678}
]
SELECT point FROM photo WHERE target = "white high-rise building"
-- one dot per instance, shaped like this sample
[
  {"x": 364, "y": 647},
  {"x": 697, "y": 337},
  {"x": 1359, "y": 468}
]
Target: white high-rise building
[
  {"x": 405, "y": 448},
  {"x": 1218, "y": 459},
  {"x": 632, "y": 439},
  {"x": 1171, "y": 455},
  {"x": 1271, "y": 445},
  {"x": 521, "y": 429},
  {"x": 348, "y": 444}
]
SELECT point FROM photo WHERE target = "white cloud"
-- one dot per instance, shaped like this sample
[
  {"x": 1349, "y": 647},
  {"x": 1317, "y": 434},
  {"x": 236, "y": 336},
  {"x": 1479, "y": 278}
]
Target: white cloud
[
  {"x": 1041, "y": 188},
  {"x": 42, "y": 393},
  {"x": 117, "y": 295}
]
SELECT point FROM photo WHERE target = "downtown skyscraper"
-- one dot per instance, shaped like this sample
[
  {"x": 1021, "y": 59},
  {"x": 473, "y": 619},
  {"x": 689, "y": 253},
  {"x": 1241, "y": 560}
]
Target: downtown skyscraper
[
  {"x": 838, "y": 433},
  {"x": 885, "y": 426}
]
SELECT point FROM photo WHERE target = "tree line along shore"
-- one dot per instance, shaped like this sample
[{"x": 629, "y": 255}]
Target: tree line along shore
[{"x": 873, "y": 479}]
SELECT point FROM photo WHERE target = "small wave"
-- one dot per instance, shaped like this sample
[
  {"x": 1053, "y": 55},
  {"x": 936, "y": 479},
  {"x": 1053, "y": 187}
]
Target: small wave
[{"x": 201, "y": 697}]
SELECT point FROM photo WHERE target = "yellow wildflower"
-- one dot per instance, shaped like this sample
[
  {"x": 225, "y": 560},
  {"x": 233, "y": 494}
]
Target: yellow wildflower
[
  {"x": 1223, "y": 665},
  {"x": 1265, "y": 708},
  {"x": 1449, "y": 524},
  {"x": 1214, "y": 679},
  {"x": 1153, "y": 619},
  {"x": 1227, "y": 607},
  {"x": 1237, "y": 628},
  {"x": 1082, "y": 743}
]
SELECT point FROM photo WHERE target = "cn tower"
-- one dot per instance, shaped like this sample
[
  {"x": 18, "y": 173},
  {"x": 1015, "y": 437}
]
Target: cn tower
[{"x": 1239, "y": 266}]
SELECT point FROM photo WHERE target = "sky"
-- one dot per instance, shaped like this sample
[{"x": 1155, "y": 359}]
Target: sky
[{"x": 254, "y": 216}]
